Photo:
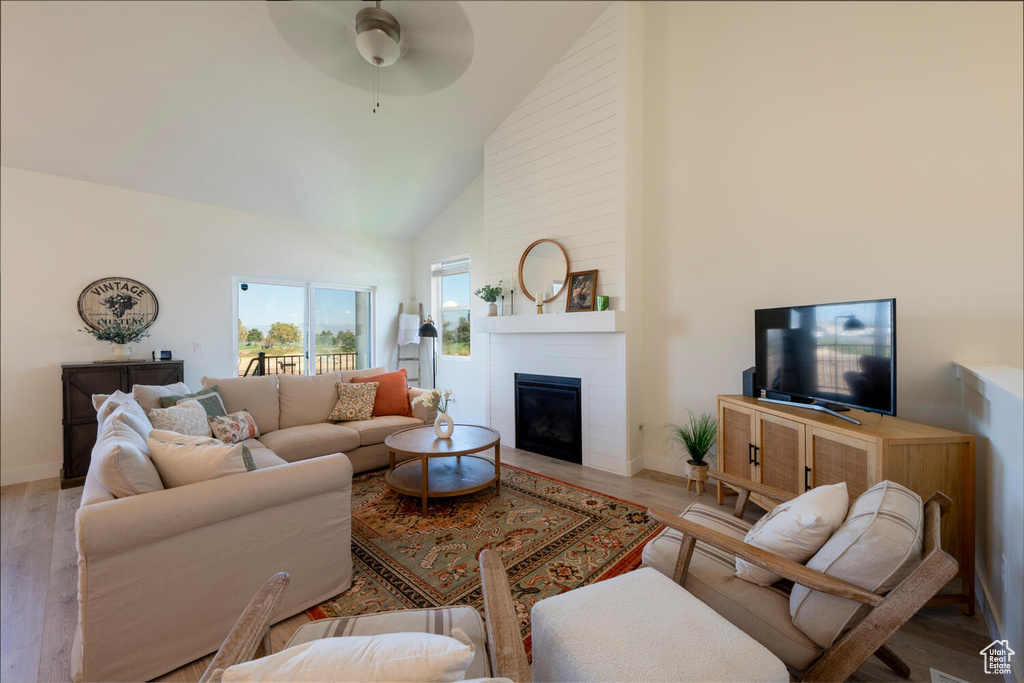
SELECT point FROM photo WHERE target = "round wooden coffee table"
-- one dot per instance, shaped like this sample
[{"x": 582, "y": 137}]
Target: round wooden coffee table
[{"x": 443, "y": 467}]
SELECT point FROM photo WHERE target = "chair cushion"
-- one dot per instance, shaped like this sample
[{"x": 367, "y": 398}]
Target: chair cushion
[
  {"x": 762, "y": 612},
  {"x": 121, "y": 461},
  {"x": 796, "y": 529},
  {"x": 392, "y": 393},
  {"x": 642, "y": 626},
  {"x": 310, "y": 441},
  {"x": 148, "y": 395},
  {"x": 876, "y": 548},
  {"x": 379, "y": 428},
  {"x": 257, "y": 395},
  {"x": 129, "y": 412},
  {"x": 439, "y": 620},
  {"x": 307, "y": 399}
]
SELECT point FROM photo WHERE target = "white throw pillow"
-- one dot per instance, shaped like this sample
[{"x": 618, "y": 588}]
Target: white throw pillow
[
  {"x": 188, "y": 417},
  {"x": 135, "y": 416},
  {"x": 185, "y": 461},
  {"x": 120, "y": 460},
  {"x": 390, "y": 657},
  {"x": 796, "y": 529}
]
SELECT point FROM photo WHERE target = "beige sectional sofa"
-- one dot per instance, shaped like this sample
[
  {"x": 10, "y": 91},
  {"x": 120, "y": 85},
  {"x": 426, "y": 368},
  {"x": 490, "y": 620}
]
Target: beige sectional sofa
[
  {"x": 290, "y": 411},
  {"x": 164, "y": 572}
]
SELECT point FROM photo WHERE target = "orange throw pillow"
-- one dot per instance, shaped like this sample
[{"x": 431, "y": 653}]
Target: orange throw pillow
[{"x": 392, "y": 394}]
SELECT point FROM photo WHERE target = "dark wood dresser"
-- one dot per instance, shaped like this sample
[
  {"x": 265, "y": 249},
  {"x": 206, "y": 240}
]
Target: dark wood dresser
[{"x": 81, "y": 381}]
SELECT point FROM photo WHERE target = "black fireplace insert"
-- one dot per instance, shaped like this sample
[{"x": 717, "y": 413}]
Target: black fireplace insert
[{"x": 548, "y": 416}]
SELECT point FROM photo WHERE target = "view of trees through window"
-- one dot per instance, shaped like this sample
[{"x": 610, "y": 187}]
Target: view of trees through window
[
  {"x": 273, "y": 320},
  {"x": 455, "y": 329}
]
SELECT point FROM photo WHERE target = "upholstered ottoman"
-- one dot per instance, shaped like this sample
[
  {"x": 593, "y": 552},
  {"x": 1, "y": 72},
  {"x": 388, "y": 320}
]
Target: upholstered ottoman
[{"x": 642, "y": 626}]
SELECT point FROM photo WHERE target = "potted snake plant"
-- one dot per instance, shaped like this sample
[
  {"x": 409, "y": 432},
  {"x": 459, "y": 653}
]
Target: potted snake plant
[{"x": 697, "y": 436}]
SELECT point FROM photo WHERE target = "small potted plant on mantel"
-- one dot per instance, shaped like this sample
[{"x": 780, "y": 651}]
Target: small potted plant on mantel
[
  {"x": 120, "y": 332},
  {"x": 697, "y": 437},
  {"x": 490, "y": 294}
]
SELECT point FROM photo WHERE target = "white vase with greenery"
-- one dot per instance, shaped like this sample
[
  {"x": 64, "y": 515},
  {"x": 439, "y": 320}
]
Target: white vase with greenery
[
  {"x": 490, "y": 294},
  {"x": 120, "y": 332},
  {"x": 438, "y": 399},
  {"x": 697, "y": 437}
]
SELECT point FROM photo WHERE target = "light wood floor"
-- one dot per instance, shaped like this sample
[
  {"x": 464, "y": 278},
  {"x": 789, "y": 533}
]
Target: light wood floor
[{"x": 39, "y": 575}]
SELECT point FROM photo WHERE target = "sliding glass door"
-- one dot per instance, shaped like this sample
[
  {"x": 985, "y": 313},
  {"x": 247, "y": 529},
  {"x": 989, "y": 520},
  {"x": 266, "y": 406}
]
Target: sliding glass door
[{"x": 282, "y": 325}]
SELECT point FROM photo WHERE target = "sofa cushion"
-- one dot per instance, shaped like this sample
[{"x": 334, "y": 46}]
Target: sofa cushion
[
  {"x": 392, "y": 393},
  {"x": 131, "y": 413},
  {"x": 121, "y": 461},
  {"x": 234, "y": 428},
  {"x": 796, "y": 529},
  {"x": 349, "y": 375},
  {"x": 188, "y": 417},
  {"x": 307, "y": 400},
  {"x": 148, "y": 395},
  {"x": 376, "y": 430},
  {"x": 876, "y": 548},
  {"x": 190, "y": 460},
  {"x": 257, "y": 395},
  {"x": 355, "y": 402},
  {"x": 762, "y": 612},
  {"x": 209, "y": 399},
  {"x": 263, "y": 456},
  {"x": 310, "y": 441}
]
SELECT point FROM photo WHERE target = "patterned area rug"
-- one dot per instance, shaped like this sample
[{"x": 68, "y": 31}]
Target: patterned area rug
[{"x": 552, "y": 537}]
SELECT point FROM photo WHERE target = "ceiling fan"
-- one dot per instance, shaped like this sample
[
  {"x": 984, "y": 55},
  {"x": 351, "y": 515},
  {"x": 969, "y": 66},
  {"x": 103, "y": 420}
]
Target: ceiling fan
[{"x": 424, "y": 45}]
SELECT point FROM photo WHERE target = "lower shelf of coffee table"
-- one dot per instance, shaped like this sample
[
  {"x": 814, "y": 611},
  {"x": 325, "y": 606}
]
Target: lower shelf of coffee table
[{"x": 446, "y": 476}]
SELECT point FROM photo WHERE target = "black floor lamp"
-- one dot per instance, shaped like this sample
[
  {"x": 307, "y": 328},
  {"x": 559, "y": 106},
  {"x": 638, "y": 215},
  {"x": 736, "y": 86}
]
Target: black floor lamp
[{"x": 427, "y": 329}]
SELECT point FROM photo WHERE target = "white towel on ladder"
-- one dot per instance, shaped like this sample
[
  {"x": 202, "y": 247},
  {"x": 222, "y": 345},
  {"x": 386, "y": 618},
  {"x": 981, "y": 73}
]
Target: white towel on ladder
[{"x": 408, "y": 329}]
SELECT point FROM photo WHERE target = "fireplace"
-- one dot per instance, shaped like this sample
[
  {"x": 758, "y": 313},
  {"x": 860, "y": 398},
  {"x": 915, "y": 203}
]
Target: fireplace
[{"x": 548, "y": 416}]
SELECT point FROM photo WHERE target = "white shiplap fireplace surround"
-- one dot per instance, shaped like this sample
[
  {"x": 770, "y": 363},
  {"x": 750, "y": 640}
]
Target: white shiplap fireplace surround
[
  {"x": 563, "y": 166},
  {"x": 587, "y": 346}
]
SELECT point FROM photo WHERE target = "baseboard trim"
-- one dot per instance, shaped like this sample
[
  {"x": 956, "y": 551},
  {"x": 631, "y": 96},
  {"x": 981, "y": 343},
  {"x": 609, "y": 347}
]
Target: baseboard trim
[
  {"x": 21, "y": 475},
  {"x": 993, "y": 621}
]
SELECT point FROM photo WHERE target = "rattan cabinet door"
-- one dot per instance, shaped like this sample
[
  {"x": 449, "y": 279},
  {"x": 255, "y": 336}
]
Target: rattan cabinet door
[
  {"x": 837, "y": 457},
  {"x": 735, "y": 440},
  {"x": 779, "y": 458}
]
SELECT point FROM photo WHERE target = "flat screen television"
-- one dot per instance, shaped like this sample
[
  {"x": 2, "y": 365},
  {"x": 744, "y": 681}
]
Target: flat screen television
[{"x": 842, "y": 355}]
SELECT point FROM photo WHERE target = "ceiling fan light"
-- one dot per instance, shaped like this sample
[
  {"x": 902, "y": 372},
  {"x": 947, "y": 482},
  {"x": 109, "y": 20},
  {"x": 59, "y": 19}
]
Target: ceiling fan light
[{"x": 377, "y": 47}]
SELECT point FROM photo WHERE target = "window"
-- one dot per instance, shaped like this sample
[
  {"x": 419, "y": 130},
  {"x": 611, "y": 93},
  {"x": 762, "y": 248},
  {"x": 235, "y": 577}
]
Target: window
[
  {"x": 281, "y": 325},
  {"x": 452, "y": 292}
]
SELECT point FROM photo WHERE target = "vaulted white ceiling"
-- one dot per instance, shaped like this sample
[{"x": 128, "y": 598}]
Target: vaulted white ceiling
[{"x": 213, "y": 102}]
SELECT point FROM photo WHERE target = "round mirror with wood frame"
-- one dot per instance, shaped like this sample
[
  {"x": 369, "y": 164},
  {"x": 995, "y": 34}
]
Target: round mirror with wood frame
[{"x": 541, "y": 246}]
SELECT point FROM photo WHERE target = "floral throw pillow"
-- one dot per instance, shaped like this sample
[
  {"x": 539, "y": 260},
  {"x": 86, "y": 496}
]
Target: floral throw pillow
[
  {"x": 234, "y": 427},
  {"x": 355, "y": 402},
  {"x": 188, "y": 417}
]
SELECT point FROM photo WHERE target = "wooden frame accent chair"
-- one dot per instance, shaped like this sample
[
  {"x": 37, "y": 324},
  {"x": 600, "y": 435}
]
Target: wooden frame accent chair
[
  {"x": 500, "y": 639},
  {"x": 885, "y": 612}
]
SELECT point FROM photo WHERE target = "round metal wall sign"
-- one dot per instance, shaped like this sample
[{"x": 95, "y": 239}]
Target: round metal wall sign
[{"x": 117, "y": 298}]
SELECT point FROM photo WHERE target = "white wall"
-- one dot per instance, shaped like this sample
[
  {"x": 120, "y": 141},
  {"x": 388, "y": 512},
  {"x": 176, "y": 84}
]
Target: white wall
[
  {"x": 993, "y": 409},
  {"x": 457, "y": 231},
  {"x": 810, "y": 152},
  {"x": 58, "y": 235},
  {"x": 555, "y": 168}
]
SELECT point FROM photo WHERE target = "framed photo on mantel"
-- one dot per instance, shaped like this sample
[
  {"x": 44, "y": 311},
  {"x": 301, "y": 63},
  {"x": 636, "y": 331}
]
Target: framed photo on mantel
[{"x": 582, "y": 291}]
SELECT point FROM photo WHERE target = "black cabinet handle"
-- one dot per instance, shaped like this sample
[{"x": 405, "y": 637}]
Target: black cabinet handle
[
  {"x": 807, "y": 470},
  {"x": 750, "y": 453},
  {"x": 756, "y": 449}
]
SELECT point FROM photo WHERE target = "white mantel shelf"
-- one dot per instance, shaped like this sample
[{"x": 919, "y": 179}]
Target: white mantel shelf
[{"x": 553, "y": 323}]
